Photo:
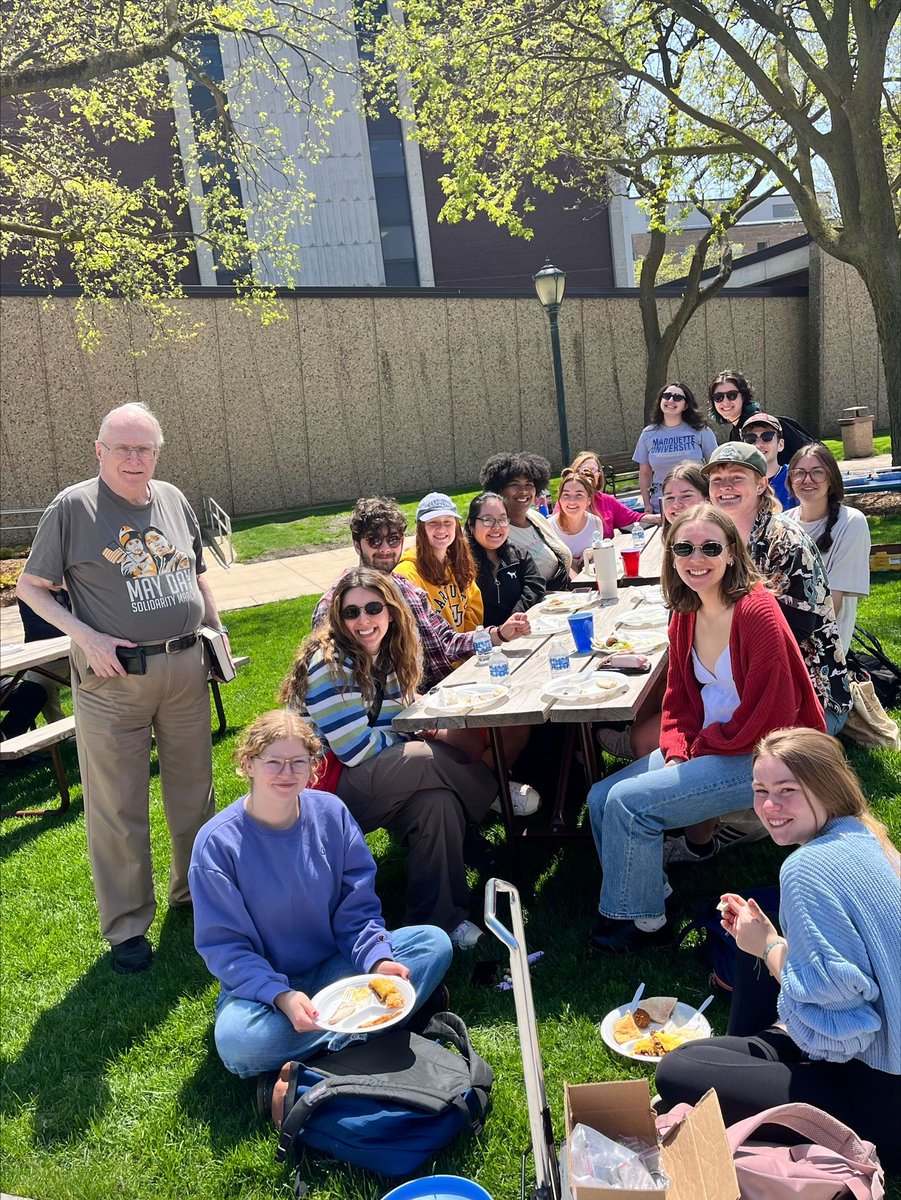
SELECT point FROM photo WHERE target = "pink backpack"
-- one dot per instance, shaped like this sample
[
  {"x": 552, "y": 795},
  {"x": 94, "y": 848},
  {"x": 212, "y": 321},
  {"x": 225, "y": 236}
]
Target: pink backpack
[{"x": 834, "y": 1165}]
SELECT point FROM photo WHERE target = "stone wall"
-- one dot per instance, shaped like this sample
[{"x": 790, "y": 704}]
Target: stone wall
[{"x": 352, "y": 395}]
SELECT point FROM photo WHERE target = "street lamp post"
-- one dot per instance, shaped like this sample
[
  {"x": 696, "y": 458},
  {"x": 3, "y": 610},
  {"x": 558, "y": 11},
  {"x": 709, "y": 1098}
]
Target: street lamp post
[{"x": 549, "y": 284}]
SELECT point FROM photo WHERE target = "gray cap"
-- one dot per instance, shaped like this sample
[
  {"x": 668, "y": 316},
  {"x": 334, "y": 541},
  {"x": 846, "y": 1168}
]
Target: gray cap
[
  {"x": 740, "y": 453},
  {"x": 435, "y": 505}
]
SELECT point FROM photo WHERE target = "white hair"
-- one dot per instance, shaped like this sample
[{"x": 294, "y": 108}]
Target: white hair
[{"x": 136, "y": 408}]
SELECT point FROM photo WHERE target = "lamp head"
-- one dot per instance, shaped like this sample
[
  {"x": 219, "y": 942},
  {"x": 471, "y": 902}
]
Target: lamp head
[{"x": 549, "y": 284}]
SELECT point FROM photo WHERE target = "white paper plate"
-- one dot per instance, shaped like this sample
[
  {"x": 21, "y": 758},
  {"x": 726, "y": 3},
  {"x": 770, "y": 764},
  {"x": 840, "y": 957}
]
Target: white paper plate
[
  {"x": 549, "y": 623},
  {"x": 591, "y": 687},
  {"x": 642, "y": 641},
  {"x": 562, "y": 602},
  {"x": 367, "y": 1008},
  {"x": 681, "y": 1013},
  {"x": 467, "y": 698},
  {"x": 645, "y": 616}
]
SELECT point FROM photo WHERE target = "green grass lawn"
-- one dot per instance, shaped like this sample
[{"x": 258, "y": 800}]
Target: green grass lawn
[
  {"x": 303, "y": 530},
  {"x": 112, "y": 1087}
]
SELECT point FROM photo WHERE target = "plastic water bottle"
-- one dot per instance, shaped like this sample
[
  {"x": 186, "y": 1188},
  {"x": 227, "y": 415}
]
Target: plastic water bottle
[
  {"x": 498, "y": 667},
  {"x": 481, "y": 641},
  {"x": 559, "y": 659},
  {"x": 638, "y": 536}
]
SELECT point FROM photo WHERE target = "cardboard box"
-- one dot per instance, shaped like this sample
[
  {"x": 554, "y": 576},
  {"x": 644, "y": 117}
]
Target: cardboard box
[{"x": 695, "y": 1154}]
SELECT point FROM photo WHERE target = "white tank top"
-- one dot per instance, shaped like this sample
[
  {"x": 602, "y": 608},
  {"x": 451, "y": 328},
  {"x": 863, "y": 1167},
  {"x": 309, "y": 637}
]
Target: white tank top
[{"x": 718, "y": 692}]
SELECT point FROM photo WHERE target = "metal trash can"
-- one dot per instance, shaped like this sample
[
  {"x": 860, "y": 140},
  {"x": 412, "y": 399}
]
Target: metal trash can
[{"x": 857, "y": 431}]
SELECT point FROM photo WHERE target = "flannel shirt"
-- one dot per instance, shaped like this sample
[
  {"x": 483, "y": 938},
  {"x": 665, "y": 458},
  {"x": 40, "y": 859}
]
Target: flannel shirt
[{"x": 442, "y": 647}]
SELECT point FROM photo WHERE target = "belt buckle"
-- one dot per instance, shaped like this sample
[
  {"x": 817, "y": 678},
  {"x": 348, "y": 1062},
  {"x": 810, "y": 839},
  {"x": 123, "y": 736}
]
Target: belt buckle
[{"x": 171, "y": 646}]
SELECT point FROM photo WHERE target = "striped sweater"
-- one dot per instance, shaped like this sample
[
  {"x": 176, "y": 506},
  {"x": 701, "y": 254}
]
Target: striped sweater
[{"x": 336, "y": 710}]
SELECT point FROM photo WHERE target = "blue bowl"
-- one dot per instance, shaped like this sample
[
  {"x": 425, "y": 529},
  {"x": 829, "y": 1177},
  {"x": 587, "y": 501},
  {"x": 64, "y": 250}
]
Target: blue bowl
[{"x": 438, "y": 1187}]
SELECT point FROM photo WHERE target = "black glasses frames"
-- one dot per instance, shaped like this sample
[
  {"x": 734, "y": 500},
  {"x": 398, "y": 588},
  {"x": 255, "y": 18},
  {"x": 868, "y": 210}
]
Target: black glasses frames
[
  {"x": 732, "y": 394},
  {"x": 350, "y": 612}
]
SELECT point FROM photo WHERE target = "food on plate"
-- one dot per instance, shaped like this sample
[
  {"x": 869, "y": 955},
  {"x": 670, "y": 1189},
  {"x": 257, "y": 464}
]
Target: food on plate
[
  {"x": 345, "y": 1009},
  {"x": 614, "y": 643},
  {"x": 642, "y": 1020},
  {"x": 723, "y": 906},
  {"x": 657, "y": 1009},
  {"x": 388, "y": 1016},
  {"x": 387, "y": 992},
  {"x": 658, "y": 1043},
  {"x": 625, "y": 1029}
]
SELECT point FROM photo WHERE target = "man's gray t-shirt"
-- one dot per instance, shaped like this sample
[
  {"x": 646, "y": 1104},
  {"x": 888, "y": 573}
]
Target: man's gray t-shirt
[{"x": 131, "y": 570}]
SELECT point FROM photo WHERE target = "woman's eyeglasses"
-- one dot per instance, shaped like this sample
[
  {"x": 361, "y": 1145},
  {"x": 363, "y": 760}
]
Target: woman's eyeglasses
[
  {"x": 295, "y": 766},
  {"x": 350, "y": 612},
  {"x": 732, "y": 394},
  {"x": 675, "y": 396},
  {"x": 494, "y": 522},
  {"x": 766, "y": 435},
  {"x": 375, "y": 539},
  {"x": 817, "y": 474},
  {"x": 708, "y": 549}
]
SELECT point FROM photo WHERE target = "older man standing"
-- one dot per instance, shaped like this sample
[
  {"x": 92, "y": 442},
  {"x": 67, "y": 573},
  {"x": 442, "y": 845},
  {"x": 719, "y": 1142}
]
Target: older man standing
[{"x": 138, "y": 667}]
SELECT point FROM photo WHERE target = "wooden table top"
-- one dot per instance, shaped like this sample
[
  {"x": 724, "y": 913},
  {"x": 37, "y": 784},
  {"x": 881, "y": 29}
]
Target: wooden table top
[
  {"x": 22, "y": 657},
  {"x": 528, "y": 703}
]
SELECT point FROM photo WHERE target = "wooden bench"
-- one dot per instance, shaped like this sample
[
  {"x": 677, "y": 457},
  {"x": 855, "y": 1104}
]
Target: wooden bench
[
  {"x": 618, "y": 464},
  {"x": 46, "y": 737},
  {"x": 240, "y": 661}
]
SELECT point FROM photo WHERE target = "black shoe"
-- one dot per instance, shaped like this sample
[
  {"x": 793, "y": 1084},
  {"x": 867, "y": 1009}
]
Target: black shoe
[
  {"x": 182, "y": 906},
  {"x": 624, "y": 937},
  {"x": 133, "y": 955},
  {"x": 438, "y": 1002},
  {"x": 478, "y": 852}
]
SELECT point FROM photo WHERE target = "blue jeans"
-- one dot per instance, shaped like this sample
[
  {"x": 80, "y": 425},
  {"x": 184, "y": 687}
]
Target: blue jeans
[
  {"x": 631, "y": 809},
  {"x": 835, "y": 722},
  {"x": 252, "y": 1038}
]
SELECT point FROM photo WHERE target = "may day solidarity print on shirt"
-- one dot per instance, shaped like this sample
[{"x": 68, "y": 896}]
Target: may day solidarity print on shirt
[{"x": 158, "y": 573}]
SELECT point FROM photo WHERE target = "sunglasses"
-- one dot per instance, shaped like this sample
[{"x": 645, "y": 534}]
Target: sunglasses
[
  {"x": 672, "y": 396},
  {"x": 732, "y": 394},
  {"x": 350, "y": 612},
  {"x": 708, "y": 549},
  {"x": 767, "y": 436},
  {"x": 375, "y": 540}
]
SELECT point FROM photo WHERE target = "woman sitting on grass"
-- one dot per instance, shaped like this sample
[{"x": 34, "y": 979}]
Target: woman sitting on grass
[
  {"x": 352, "y": 676},
  {"x": 442, "y": 564},
  {"x": 816, "y": 1010},
  {"x": 284, "y": 904},
  {"x": 735, "y": 674},
  {"x": 575, "y": 524}
]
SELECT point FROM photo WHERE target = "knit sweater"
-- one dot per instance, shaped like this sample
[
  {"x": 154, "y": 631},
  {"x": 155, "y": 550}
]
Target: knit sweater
[
  {"x": 773, "y": 685},
  {"x": 840, "y": 911},
  {"x": 460, "y": 607},
  {"x": 270, "y": 904},
  {"x": 336, "y": 710}
]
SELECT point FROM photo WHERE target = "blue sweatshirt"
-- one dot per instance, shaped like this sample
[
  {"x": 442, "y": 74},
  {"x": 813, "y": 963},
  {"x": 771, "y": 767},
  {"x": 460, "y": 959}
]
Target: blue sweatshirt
[
  {"x": 840, "y": 911},
  {"x": 270, "y": 904}
]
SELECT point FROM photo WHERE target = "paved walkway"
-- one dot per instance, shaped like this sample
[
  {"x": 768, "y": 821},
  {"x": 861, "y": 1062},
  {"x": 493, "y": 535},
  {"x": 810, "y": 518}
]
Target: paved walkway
[{"x": 247, "y": 584}]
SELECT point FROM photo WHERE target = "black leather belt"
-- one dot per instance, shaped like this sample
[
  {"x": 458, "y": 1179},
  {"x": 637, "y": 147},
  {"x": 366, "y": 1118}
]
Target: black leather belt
[{"x": 172, "y": 645}]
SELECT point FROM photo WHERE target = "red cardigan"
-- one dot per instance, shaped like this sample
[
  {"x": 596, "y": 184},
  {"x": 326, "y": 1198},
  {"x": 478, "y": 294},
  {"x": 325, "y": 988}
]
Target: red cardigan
[{"x": 774, "y": 688}]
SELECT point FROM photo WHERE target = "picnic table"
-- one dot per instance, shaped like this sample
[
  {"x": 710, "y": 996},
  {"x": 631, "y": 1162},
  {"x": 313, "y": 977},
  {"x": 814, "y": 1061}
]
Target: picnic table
[
  {"x": 649, "y": 564},
  {"x": 529, "y": 703}
]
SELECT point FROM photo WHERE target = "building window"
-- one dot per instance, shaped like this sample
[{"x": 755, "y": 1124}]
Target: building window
[
  {"x": 761, "y": 245},
  {"x": 784, "y": 212}
]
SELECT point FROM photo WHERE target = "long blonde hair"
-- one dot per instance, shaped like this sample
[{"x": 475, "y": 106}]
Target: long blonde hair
[
  {"x": 582, "y": 457},
  {"x": 459, "y": 563},
  {"x": 818, "y": 763},
  {"x": 399, "y": 652}
]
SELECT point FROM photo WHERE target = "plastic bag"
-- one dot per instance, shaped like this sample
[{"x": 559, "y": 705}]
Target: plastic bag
[{"x": 598, "y": 1160}]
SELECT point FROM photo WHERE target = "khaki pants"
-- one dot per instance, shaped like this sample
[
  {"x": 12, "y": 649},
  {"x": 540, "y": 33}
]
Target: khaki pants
[
  {"x": 113, "y": 723},
  {"x": 425, "y": 793}
]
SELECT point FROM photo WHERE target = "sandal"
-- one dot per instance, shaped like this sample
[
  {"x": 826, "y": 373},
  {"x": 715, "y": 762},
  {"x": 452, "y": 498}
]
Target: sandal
[{"x": 266, "y": 1088}]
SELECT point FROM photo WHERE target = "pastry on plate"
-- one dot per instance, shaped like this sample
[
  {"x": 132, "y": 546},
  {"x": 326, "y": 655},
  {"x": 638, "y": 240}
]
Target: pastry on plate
[
  {"x": 625, "y": 1029},
  {"x": 657, "y": 1009}
]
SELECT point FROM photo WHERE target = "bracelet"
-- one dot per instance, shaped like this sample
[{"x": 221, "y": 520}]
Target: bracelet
[
  {"x": 772, "y": 946},
  {"x": 497, "y": 630}
]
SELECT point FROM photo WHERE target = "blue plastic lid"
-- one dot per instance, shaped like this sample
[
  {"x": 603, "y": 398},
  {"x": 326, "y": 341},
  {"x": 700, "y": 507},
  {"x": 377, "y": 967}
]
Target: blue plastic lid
[{"x": 439, "y": 1187}]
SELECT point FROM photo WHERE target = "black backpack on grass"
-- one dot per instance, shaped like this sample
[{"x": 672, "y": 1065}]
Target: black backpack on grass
[{"x": 867, "y": 657}]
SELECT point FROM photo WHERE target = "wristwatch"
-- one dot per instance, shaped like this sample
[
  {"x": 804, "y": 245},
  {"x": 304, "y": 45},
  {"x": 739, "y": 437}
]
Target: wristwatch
[{"x": 222, "y": 629}]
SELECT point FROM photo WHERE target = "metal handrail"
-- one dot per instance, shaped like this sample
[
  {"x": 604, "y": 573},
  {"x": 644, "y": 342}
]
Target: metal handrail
[
  {"x": 19, "y": 512},
  {"x": 219, "y": 525}
]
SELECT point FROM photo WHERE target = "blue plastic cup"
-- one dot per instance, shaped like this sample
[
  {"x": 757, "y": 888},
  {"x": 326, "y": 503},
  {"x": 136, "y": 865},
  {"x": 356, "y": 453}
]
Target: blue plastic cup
[{"x": 582, "y": 626}]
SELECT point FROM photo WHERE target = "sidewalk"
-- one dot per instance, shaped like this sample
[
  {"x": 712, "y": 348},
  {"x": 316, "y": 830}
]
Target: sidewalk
[{"x": 246, "y": 585}]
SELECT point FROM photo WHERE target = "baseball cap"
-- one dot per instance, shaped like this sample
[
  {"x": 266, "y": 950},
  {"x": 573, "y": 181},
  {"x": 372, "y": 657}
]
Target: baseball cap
[
  {"x": 435, "y": 505},
  {"x": 762, "y": 418},
  {"x": 737, "y": 452}
]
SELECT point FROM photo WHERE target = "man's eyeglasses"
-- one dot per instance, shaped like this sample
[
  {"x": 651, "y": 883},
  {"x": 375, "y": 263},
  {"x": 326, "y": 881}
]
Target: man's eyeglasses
[
  {"x": 672, "y": 396},
  {"x": 295, "y": 766},
  {"x": 494, "y": 522},
  {"x": 350, "y": 612},
  {"x": 375, "y": 539},
  {"x": 732, "y": 394},
  {"x": 766, "y": 436},
  {"x": 817, "y": 474},
  {"x": 709, "y": 549},
  {"x": 128, "y": 451}
]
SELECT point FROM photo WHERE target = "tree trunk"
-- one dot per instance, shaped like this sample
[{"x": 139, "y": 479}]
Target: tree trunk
[{"x": 881, "y": 272}]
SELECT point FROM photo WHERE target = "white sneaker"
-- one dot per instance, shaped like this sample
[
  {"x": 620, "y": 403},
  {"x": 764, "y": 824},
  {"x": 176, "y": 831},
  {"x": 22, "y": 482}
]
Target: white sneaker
[
  {"x": 466, "y": 935},
  {"x": 525, "y": 800}
]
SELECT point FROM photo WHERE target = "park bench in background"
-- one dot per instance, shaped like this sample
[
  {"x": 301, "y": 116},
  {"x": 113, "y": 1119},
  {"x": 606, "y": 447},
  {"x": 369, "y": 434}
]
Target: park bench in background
[
  {"x": 46, "y": 737},
  {"x": 622, "y": 465}
]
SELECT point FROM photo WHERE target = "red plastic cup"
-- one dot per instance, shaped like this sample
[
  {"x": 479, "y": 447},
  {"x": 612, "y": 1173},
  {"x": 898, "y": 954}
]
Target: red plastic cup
[{"x": 630, "y": 562}]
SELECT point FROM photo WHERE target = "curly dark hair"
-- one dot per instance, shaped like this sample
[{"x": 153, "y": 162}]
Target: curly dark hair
[
  {"x": 500, "y": 469},
  {"x": 749, "y": 406},
  {"x": 372, "y": 514}
]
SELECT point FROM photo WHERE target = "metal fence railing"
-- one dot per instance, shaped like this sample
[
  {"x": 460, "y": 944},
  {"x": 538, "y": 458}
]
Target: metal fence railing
[
  {"x": 219, "y": 528},
  {"x": 11, "y": 532}
]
